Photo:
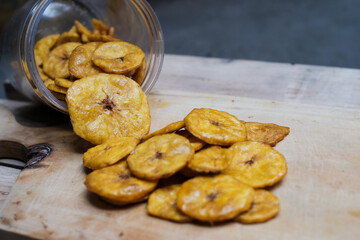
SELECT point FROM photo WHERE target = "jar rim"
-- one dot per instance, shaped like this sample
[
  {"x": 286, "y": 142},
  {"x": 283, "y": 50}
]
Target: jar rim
[{"x": 27, "y": 44}]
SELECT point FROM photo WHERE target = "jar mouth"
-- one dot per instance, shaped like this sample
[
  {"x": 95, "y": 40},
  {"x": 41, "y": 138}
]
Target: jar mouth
[{"x": 27, "y": 42}]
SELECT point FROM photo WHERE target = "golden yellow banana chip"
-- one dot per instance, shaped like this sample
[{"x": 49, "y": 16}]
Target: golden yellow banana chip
[
  {"x": 111, "y": 32},
  {"x": 99, "y": 27},
  {"x": 117, "y": 185},
  {"x": 264, "y": 207},
  {"x": 56, "y": 64},
  {"x": 80, "y": 64},
  {"x": 64, "y": 83},
  {"x": 81, "y": 29},
  {"x": 70, "y": 36},
  {"x": 109, "y": 152},
  {"x": 162, "y": 204},
  {"x": 43, "y": 76},
  {"x": 196, "y": 143},
  {"x": 255, "y": 164},
  {"x": 160, "y": 156},
  {"x": 103, "y": 106},
  {"x": 43, "y": 46},
  {"x": 96, "y": 37},
  {"x": 215, "y": 127},
  {"x": 209, "y": 160},
  {"x": 214, "y": 199},
  {"x": 267, "y": 133},
  {"x": 48, "y": 81},
  {"x": 140, "y": 73},
  {"x": 172, "y": 127},
  {"x": 118, "y": 57},
  {"x": 54, "y": 88}
]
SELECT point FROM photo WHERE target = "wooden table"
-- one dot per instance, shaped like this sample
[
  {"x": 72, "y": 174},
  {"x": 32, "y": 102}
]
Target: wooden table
[{"x": 293, "y": 83}]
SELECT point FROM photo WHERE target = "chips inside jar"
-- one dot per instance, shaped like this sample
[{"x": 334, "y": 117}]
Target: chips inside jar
[{"x": 118, "y": 57}]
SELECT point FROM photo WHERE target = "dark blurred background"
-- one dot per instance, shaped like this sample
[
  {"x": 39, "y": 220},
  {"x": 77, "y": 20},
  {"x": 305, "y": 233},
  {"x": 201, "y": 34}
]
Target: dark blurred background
[{"x": 318, "y": 32}]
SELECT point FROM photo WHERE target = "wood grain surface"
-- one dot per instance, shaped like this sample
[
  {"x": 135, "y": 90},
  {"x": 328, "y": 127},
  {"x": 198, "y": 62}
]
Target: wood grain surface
[
  {"x": 329, "y": 86},
  {"x": 319, "y": 197}
]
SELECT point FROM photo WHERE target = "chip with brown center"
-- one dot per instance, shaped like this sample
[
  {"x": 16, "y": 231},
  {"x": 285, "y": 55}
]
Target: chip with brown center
[
  {"x": 109, "y": 152},
  {"x": 80, "y": 64},
  {"x": 215, "y": 127},
  {"x": 255, "y": 164},
  {"x": 209, "y": 160},
  {"x": 118, "y": 57},
  {"x": 117, "y": 185},
  {"x": 267, "y": 133},
  {"x": 56, "y": 64},
  {"x": 264, "y": 207},
  {"x": 43, "y": 46},
  {"x": 160, "y": 156},
  {"x": 103, "y": 106},
  {"x": 162, "y": 204},
  {"x": 172, "y": 127},
  {"x": 214, "y": 199}
]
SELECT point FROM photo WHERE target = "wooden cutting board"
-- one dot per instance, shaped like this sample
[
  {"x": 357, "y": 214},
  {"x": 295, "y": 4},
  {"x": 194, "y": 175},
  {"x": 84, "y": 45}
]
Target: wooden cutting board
[{"x": 319, "y": 197}]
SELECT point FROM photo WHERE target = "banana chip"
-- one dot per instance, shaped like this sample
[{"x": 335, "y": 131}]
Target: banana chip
[
  {"x": 255, "y": 164},
  {"x": 160, "y": 156},
  {"x": 209, "y": 160},
  {"x": 172, "y": 127},
  {"x": 162, "y": 204},
  {"x": 43, "y": 46},
  {"x": 80, "y": 64},
  {"x": 100, "y": 27},
  {"x": 54, "y": 88},
  {"x": 81, "y": 29},
  {"x": 140, "y": 73},
  {"x": 56, "y": 64},
  {"x": 118, "y": 57},
  {"x": 267, "y": 133},
  {"x": 215, "y": 127},
  {"x": 96, "y": 37},
  {"x": 214, "y": 199},
  {"x": 116, "y": 185},
  {"x": 103, "y": 106},
  {"x": 196, "y": 143},
  {"x": 264, "y": 207},
  {"x": 109, "y": 152},
  {"x": 43, "y": 76},
  {"x": 70, "y": 36},
  {"x": 62, "y": 82}
]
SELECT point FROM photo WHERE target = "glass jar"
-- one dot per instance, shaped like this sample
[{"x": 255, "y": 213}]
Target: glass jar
[{"x": 134, "y": 21}]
